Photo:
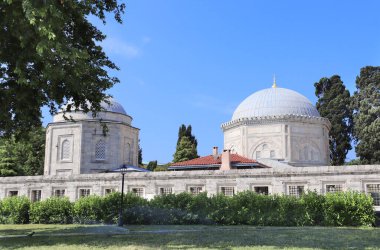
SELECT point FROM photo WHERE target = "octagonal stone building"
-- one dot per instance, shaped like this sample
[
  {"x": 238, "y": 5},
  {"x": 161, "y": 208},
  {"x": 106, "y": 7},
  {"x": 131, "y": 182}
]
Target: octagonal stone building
[
  {"x": 80, "y": 146},
  {"x": 280, "y": 124}
]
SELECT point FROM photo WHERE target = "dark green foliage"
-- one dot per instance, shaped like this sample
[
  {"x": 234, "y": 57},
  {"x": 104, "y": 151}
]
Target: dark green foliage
[
  {"x": 55, "y": 210},
  {"x": 140, "y": 159},
  {"x": 366, "y": 104},
  {"x": 49, "y": 54},
  {"x": 186, "y": 148},
  {"x": 151, "y": 165},
  {"x": 348, "y": 209},
  {"x": 24, "y": 156},
  {"x": 88, "y": 210},
  {"x": 111, "y": 205},
  {"x": 334, "y": 103},
  {"x": 14, "y": 210},
  {"x": 245, "y": 208}
]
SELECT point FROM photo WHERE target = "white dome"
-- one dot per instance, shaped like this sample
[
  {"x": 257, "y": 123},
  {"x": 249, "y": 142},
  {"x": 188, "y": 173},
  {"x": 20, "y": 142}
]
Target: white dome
[
  {"x": 275, "y": 102},
  {"x": 114, "y": 106}
]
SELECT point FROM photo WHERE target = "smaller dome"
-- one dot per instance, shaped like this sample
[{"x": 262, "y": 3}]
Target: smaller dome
[
  {"x": 275, "y": 102},
  {"x": 113, "y": 106}
]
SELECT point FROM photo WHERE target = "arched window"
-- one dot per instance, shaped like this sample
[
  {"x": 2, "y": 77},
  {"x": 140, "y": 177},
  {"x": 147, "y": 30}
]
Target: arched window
[
  {"x": 65, "y": 150},
  {"x": 100, "y": 150}
]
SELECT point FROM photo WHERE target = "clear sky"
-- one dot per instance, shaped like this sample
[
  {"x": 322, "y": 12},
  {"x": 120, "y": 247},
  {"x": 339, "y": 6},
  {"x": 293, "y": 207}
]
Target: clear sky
[{"x": 194, "y": 61}]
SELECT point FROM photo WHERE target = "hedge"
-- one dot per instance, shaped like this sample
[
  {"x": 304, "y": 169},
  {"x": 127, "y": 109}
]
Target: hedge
[{"x": 245, "y": 208}]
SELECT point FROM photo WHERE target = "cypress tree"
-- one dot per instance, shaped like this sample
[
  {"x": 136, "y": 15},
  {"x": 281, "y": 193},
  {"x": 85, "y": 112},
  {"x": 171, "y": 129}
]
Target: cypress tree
[
  {"x": 334, "y": 104},
  {"x": 366, "y": 104}
]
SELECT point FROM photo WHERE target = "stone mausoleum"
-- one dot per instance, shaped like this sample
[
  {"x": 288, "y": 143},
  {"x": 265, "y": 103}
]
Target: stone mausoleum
[{"x": 275, "y": 143}]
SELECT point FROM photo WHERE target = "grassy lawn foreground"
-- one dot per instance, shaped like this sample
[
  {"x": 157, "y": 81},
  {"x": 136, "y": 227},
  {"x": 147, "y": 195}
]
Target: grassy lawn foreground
[{"x": 187, "y": 237}]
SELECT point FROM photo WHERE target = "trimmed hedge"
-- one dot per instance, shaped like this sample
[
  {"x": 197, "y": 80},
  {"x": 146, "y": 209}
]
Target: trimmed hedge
[{"x": 249, "y": 208}]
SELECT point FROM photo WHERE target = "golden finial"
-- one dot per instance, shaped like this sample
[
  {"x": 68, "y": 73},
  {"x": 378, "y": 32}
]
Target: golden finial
[{"x": 274, "y": 82}]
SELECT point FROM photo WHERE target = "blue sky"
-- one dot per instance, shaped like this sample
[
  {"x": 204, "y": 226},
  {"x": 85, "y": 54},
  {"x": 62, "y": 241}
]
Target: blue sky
[{"x": 193, "y": 61}]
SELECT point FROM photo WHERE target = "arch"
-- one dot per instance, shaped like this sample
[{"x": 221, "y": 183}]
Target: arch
[
  {"x": 100, "y": 150},
  {"x": 265, "y": 149},
  {"x": 65, "y": 150}
]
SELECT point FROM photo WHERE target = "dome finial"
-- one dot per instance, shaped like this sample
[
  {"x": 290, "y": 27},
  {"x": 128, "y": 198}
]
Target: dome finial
[{"x": 274, "y": 82}]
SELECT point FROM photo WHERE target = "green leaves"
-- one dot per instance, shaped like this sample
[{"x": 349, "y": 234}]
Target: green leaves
[
  {"x": 49, "y": 53},
  {"x": 334, "y": 104},
  {"x": 366, "y": 104},
  {"x": 186, "y": 145}
]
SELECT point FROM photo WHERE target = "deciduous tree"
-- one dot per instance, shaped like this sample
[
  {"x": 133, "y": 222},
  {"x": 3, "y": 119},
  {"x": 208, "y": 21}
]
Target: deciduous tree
[{"x": 49, "y": 55}]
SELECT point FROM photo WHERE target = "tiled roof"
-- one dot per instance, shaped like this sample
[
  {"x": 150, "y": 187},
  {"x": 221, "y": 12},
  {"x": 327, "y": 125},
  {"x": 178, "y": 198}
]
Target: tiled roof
[{"x": 211, "y": 160}]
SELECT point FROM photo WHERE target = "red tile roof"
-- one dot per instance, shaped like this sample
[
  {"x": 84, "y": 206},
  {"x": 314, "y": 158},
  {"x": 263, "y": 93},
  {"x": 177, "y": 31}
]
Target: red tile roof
[{"x": 210, "y": 160}]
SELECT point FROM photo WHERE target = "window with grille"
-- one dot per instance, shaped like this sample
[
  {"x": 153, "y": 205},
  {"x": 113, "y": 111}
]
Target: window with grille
[
  {"x": 374, "y": 190},
  {"x": 59, "y": 192},
  {"x": 83, "y": 192},
  {"x": 332, "y": 188},
  {"x": 227, "y": 191},
  {"x": 109, "y": 190},
  {"x": 35, "y": 195},
  {"x": 138, "y": 191},
  {"x": 296, "y": 191},
  {"x": 12, "y": 193},
  {"x": 196, "y": 190},
  {"x": 66, "y": 150},
  {"x": 262, "y": 190},
  {"x": 166, "y": 190},
  {"x": 100, "y": 150}
]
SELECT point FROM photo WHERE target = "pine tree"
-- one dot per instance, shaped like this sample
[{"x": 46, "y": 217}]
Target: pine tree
[
  {"x": 366, "y": 104},
  {"x": 334, "y": 104},
  {"x": 185, "y": 150}
]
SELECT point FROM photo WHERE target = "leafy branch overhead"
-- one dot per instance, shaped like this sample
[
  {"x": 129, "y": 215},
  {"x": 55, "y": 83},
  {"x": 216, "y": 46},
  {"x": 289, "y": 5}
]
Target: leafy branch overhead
[{"x": 49, "y": 55}]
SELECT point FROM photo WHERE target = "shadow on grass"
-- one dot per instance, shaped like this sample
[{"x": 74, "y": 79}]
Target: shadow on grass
[{"x": 217, "y": 238}]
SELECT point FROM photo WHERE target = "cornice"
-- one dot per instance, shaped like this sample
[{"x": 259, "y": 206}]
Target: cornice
[{"x": 275, "y": 119}]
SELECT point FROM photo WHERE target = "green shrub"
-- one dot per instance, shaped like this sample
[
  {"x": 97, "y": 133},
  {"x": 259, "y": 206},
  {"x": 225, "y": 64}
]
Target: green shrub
[
  {"x": 14, "y": 210},
  {"x": 55, "y": 210},
  {"x": 88, "y": 210},
  {"x": 111, "y": 205},
  {"x": 314, "y": 205},
  {"x": 348, "y": 209}
]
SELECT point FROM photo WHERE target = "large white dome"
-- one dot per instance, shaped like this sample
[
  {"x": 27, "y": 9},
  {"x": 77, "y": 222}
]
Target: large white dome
[{"x": 275, "y": 102}]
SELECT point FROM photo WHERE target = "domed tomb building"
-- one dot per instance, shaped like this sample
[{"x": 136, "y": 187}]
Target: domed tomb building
[
  {"x": 81, "y": 147},
  {"x": 279, "y": 124}
]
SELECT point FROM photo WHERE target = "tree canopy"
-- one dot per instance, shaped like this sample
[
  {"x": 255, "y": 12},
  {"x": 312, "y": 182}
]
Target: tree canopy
[
  {"x": 24, "y": 156},
  {"x": 49, "y": 55},
  {"x": 366, "y": 104},
  {"x": 186, "y": 148},
  {"x": 334, "y": 103}
]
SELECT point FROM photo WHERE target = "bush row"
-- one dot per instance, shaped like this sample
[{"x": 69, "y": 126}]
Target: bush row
[{"x": 312, "y": 209}]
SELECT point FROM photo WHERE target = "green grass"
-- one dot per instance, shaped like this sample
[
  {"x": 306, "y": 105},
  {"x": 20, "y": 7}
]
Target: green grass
[{"x": 187, "y": 237}]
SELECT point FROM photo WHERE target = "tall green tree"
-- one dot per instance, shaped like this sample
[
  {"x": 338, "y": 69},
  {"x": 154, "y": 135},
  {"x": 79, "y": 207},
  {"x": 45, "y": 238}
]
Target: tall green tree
[
  {"x": 366, "y": 104},
  {"x": 185, "y": 150},
  {"x": 24, "y": 156},
  {"x": 50, "y": 54},
  {"x": 186, "y": 131},
  {"x": 334, "y": 103}
]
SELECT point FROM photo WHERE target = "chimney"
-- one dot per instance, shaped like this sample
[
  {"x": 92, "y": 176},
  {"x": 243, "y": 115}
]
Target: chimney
[
  {"x": 226, "y": 160},
  {"x": 215, "y": 152}
]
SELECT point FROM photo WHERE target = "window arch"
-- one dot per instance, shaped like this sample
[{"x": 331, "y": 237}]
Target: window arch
[
  {"x": 65, "y": 150},
  {"x": 100, "y": 150}
]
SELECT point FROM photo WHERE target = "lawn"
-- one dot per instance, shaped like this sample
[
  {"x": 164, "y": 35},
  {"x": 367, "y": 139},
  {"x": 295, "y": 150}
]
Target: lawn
[{"x": 186, "y": 237}]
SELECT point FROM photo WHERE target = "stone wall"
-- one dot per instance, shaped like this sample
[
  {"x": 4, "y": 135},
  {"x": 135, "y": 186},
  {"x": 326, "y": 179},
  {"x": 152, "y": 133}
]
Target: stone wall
[{"x": 278, "y": 180}]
